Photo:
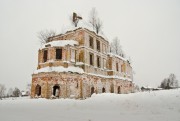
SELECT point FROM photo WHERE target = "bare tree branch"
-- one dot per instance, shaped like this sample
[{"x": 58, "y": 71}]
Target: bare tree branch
[
  {"x": 93, "y": 17},
  {"x": 98, "y": 25},
  {"x": 116, "y": 47},
  {"x": 95, "y": 21},
  {"x": 44, "y": 35}
]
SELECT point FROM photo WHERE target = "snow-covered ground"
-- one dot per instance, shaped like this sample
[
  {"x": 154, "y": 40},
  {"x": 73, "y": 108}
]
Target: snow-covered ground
[{"x": 161, "y": 105}]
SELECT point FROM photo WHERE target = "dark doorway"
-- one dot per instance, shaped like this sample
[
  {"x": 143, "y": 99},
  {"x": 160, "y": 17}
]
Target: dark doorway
[
  {"x": 92, "y": 90},
  {"x": 119, "y": 89},
  {"x": 38, "y": 90},
  {"x": 103, "y": 90},
  {"x": 56, "y": 90}
]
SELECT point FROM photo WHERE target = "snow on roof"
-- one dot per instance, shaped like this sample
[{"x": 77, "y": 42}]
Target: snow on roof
[
  {"x": 60, "y": 43},
  {"x": 114, "y": 77},
  {"x": 74, "y": 69},
  {"x": 60, "y": 69},
  {"x": 122, "y": 58}
]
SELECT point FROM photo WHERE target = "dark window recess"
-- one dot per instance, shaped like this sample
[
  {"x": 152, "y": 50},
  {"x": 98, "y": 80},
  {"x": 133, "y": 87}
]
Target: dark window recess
[
  {"x": 103, "y": 90},
  {"x": 117, "y": 68},
  {"x": 90, "y": 41},
  {"x": 58, "y": 53},
  {"x": 45, "y": 55},
  {"x": 98, "y": 61},
  {"x": 91, "y": 59},
  {"x": 98, "y": 45}
]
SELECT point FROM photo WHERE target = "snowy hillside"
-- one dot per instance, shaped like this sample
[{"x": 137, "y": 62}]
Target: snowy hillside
[{"x": 143, "y": 106}]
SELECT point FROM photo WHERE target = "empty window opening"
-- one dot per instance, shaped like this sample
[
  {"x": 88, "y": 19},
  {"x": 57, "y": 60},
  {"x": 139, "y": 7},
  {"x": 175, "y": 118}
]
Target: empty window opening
[
  {"x": 119, "y": 90},
  {"x": 91, "y": 59},
  {"x": 45, "y": 55},
  {"x": 117, "y": 67},
  {"x": 56, "y": 90},
  {"x": 98, "y": 45},
  {"x": 58, "y": 53},
  {"x": 91, "y": 44},
  {"x": 103, "y": 90},
  {"x": 98, "y": 61},
  {"x": 38, "y": 90},
  {"x": 92, "y": 90}
]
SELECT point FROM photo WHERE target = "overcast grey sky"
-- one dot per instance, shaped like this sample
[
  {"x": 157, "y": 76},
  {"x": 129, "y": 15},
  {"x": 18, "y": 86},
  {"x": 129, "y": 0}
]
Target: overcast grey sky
[{"x": 149, "y": 31}]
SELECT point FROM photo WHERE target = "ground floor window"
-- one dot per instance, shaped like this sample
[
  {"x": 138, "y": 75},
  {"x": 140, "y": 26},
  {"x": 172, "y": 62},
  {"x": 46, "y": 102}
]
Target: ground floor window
[
  {"x": 119, "y": 90},
  {"x": 103, "y": 90},
  {"x": 56, "y": 90},
  {"x": 38, "y": 90},
  {"x": 92, "y": 90}
]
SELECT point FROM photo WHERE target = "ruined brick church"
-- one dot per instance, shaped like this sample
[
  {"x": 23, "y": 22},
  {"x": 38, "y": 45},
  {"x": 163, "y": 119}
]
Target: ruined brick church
[{"x": 77, "y": 64}]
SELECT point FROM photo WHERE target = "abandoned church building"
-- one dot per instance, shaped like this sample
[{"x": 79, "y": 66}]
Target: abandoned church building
[{"x": 77, "y": 64}]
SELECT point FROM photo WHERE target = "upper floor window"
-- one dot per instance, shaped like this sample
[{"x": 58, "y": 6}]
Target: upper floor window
[
  {"x": 104, "y": 63},
  {"x": 117, "y": 68},
  {"x": 58, "y": 53},
  {"x": 73, "y": 53},
  {"x": 45, "y": 55},
  {"x": 104, "y": 48},
  {"x": 91, "y": 44},
  {"x": 98, "y": 45},
  {"x": 91, "y": 59},
  {"x": 98, "y": 61},
  {"x": 123, "y": 67}
]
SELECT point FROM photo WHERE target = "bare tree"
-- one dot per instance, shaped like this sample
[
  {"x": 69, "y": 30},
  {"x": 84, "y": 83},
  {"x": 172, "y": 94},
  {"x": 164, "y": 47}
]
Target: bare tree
[
  {"x": 116, "y": 47},
  {"x": 95, "y": 21},
  {"x": 170, "y": 82},
  {"x": 2, "y": 91},
  {"x": 10, "y": 92},
  {"x": 93, "y": 17},
  {"x": 16, "y": 92},
  {"x": 98, "y": 25},
  {"x": 44, "y": 35}
]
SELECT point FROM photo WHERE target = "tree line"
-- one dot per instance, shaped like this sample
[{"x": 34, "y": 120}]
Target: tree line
[
  {"x": 169, "y": 82},
  {"x": 12, "y": 92}
]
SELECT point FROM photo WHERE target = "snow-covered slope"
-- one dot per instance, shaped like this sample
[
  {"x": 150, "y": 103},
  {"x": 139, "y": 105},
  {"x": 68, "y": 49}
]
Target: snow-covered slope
[{"x": 143, "y": 106}]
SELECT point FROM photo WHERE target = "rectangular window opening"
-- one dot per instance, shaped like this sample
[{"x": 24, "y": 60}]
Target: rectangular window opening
[
  {"x": 58, "y": 53},
  {"x": 91, "y": 42},
  {"x": 117, "y": 68},
  {"x": 98, "y": 45},
  {"x": 45, "y": 55},
  {"x": 98, "y": 61},
  {"x": 91, "y": 58}
]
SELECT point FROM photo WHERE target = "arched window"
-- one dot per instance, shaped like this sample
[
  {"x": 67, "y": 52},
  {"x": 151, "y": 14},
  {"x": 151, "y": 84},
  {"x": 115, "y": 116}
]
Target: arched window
[
  {"x": 92, "y": 90},
  {"x": 56, "y": 90},
  {"x": 38, "y": 90},
  {"x": 103, "y": 90},
  {"x": 119, "y": 90}
]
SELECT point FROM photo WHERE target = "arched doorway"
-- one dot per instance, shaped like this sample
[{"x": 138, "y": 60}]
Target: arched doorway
[
  {"x": 92, "y": 90},
  {"x": 56, "y": 90},
  {"x": 119, "y": 90},
  {"x": 103, "y": 90},
  {"x": 38, "y": 90}
]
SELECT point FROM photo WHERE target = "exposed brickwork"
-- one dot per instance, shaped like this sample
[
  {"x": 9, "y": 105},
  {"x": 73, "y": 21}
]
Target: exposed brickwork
[{"x": 113, "y": 74}]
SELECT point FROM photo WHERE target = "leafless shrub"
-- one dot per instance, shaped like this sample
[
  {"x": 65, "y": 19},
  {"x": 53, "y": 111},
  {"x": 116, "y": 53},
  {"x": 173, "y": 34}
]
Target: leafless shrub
[{"x": 44, "y": 35}]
